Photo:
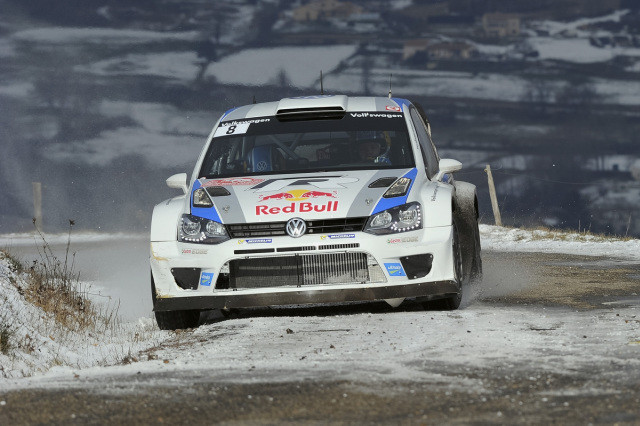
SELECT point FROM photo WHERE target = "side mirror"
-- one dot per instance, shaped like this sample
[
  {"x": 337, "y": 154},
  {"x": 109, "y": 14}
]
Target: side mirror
[
  {"x": 178, "y": 181},
  {"x": 447, "y": 166}
]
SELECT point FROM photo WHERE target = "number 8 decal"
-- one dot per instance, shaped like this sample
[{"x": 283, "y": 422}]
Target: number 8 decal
[{"x": 235, "y": 129}]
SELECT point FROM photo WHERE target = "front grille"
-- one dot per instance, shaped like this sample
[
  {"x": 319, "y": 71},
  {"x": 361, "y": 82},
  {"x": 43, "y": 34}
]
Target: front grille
[
  {"x": 325, "y": 226},
  {"x": 331, "y": 226},
  {"x": 300, "y": 270},
  {"x": 256, "y": 229},
  {"x": 338, "y": 246}
]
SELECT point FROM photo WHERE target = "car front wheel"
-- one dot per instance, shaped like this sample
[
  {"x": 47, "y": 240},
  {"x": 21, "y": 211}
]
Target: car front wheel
[{"x": 174, "y": 320}]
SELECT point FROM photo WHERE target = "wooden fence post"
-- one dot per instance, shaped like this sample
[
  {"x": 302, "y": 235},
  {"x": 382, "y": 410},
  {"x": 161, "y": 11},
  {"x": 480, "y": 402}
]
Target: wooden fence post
[
  {"x": 494, "y": 198},
  {"x": 37, "y": 205}
]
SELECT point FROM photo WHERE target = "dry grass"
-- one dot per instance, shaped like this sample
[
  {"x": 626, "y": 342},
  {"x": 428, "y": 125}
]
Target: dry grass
[
  {"x": 539, "y": 233},
  {"x": 6, "y": 336},
  {"x": 54, "y": 286}
]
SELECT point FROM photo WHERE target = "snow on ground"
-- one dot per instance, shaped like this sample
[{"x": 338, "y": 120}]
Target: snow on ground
[
  {"x": 576, "y": 50},
  {"x": 102, "y": 36},
  {"x": 513, "y": 239},
  {"x": 156, "y": 148},
  {"x": 359, "y": 346},
  {"x": 164, "y": 136},
  {"x": 257, "y": 67},
  {"x": 17, "y": 90},
  {"x": 373, "y": 347},
  {"x": 163, "y": 118},
  {"x": 32, "y": 239},
  {"x": 250, "y": 67},
  {"x": 428, "y": 83},
  {"x": 177, "y": 65},
  {"x": 616, "y": 91},
  {"x": 555, "y": 27},
  {"x": 38, "y": 343},
  {"x": 468, "y": 158},
  {"x": 401, "y": 4}
]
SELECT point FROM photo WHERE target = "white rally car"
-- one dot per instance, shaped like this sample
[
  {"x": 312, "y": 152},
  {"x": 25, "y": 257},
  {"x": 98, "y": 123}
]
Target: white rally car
[{"x": 322, "y": 199}]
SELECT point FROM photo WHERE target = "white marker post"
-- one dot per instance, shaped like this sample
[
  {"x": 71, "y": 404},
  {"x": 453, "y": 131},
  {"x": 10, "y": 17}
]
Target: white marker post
[
  {"x": 494, "y": 198},
  {"x": 37, "y": 205}
]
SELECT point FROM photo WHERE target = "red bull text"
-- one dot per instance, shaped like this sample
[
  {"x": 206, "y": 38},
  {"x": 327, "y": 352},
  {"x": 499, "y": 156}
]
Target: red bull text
[{"x": 304, "y": 207}]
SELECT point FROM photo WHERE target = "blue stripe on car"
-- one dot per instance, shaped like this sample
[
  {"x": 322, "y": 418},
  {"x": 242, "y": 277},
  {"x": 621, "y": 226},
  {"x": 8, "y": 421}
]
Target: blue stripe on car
[
  {"x": 401, "y": 102},
  {"x": 228, "y": 112},
  {"x": 206, "y": 212},
  {"x": 387, "y": 203}
]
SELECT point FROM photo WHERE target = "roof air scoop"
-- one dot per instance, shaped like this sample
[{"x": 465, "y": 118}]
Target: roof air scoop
[{"x": 312, "y": 108}]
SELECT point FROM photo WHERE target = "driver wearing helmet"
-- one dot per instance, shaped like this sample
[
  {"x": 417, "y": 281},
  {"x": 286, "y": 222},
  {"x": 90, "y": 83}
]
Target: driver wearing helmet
[{"x": 373, "y": 149}]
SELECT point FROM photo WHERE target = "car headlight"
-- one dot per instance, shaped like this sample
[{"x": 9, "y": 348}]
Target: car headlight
[
  {"x": 404, "y": 218},
  {"x": 194, "y": 229}
]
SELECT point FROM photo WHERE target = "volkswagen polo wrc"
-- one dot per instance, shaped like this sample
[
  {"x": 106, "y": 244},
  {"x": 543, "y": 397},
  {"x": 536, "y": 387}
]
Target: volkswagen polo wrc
[{"x": 323, "y": 199}]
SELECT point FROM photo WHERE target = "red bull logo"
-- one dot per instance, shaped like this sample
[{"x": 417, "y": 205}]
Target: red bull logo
[
  {"x": 304, "y": 207},
  {"x": 299, "y": 203},
  {"x": 297, "y": 195}
]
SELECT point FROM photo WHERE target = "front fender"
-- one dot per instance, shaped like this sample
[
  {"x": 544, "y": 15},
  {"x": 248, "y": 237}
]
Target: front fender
[
  {"x": 437, "y": 197},
  {"x": 165, "y": 219}
]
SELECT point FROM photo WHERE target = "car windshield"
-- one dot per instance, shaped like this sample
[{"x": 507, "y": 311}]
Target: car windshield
[{"x": 268, "y": 146}]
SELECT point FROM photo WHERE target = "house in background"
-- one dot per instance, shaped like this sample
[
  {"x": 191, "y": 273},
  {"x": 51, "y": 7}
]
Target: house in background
[
  {"x": 451, "y": 50},
  {"x": 501, "y": 24},
  {"x": 411, "y": 47},
  {"x": 325, "y": 9},
  {"x": 430, "y": 49}
]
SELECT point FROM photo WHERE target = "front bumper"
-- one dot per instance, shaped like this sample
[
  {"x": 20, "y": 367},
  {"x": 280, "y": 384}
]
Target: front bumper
[
  {"x": 386, "y": 251},
  {"x": 426, "y": 291}
]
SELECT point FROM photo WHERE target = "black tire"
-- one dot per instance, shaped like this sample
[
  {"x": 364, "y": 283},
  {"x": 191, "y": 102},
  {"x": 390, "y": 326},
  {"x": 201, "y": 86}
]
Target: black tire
[
  {"x": 176, "y": 320},
  {"x": 476, "y": 265},
  {"x": 173, "y": 320},
  {"x": 465, "y": 216}
]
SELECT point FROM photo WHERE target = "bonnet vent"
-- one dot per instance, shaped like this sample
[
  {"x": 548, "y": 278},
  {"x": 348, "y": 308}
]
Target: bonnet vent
[
  {"x": 328, "y": 107},
  {"x": 313, "y": 113}
]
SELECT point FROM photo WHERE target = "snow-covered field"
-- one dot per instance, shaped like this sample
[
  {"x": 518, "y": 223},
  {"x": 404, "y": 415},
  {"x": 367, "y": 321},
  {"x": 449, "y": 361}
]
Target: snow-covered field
[
  {"x": 370, "y": 345},
  {"x": 102, "y": 36},
  {"x": 546, "y": 241},
  {"x": 163, "y": 135}
]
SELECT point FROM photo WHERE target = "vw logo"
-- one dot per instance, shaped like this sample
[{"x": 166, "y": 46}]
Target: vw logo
[{"x": 296, "y": 227}]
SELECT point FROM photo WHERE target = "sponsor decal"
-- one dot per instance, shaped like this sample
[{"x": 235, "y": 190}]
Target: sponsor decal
[
  {"x": 337, "y": 236},
  {"x": 395, "y": 269},
  {"x": 402, "y": 240},
  {"x": 195, "y": 251},
  {"x": 247, "y": 121},
  {"x": 393, "y": 108},
  {"x": 324, "y": 183},
  {"x": 231, "y": 182},
  {"x": 435, "y": 194},
  {"x": 298, "y": 195},
  {"x": 375, "y": 115},
  {"x": 256, "y": 241},
  {"x": 303, "y": 207},
  {"x": 234, "y": 129},
  {"x": 206, "y": 278}
]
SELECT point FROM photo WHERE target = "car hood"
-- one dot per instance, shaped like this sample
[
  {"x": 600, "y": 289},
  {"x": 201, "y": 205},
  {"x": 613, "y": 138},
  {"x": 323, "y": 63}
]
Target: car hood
[{"x": 310, "y": 196}]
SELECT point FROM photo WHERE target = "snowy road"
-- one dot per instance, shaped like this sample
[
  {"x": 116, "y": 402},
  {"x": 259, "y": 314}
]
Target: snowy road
[{"x": 548, "y": 337}]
